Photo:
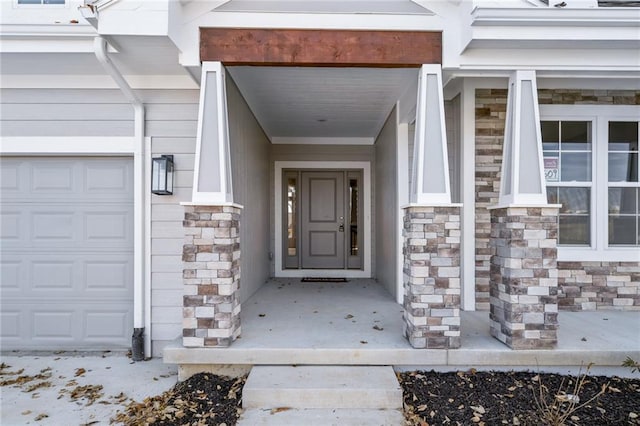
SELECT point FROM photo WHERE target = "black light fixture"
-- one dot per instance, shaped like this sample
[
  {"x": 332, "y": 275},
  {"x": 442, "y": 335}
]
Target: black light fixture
[{"x": 162, "y": 175}]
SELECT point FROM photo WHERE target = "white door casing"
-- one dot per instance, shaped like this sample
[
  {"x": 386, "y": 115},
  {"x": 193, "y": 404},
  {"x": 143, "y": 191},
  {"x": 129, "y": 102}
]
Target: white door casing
[{"x": 365, "y": 166}]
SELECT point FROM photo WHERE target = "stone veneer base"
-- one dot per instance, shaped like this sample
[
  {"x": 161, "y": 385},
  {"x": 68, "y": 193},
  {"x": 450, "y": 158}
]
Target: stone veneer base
[
  {"x": 211, "y": 276},
  {"x": 432, "y": 276},
  {"x": 524, "y": 277}
]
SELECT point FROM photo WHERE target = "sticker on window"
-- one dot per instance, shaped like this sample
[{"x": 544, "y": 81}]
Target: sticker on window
[{"x": 551, "y": 171}]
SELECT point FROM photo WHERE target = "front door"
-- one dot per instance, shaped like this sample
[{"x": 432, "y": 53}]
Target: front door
[
  {"x": 321, "y": 216},
  {"x": 322, "y": 212}
]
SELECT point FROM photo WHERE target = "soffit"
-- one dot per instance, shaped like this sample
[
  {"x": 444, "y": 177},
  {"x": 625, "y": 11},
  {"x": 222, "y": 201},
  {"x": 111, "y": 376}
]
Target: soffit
[
  {"x": 315, "y": 102},
  {"x": 403, "y": 7}
]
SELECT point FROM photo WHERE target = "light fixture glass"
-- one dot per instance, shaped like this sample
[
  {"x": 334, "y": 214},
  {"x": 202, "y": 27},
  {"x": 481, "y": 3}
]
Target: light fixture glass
[{"x": 162, "y": 175}]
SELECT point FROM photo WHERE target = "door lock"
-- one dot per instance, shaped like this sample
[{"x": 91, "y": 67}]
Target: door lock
[{"x": 341, "y": 227}]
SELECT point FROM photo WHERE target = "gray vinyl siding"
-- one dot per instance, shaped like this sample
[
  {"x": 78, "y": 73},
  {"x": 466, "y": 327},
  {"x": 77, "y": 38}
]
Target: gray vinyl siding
[
  {"x": 250, "y": 176},
  {"x": 452, "y": 123},
  {"x": 385, "y": 224},
  {"x": 95, "y": 112},
  {"x": 171, "y": 122}
]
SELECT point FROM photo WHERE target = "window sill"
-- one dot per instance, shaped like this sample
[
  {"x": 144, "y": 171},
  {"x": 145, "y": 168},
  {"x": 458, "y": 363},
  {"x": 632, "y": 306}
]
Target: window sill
[{"x": 575, "y": 254}]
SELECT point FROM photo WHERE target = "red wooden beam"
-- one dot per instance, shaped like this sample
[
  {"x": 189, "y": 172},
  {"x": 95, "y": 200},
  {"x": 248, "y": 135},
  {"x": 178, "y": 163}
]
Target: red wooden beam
[{"x": 330, "y": 48}]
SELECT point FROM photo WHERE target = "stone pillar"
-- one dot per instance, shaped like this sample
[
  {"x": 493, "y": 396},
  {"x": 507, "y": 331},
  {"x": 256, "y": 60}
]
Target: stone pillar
[
  {"x": 524, "y": 276},
  {"x": 432, "y": 276},
  {"x": 211, "y": 276}
]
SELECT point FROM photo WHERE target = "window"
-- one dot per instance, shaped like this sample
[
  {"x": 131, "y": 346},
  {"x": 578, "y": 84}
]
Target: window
[
  {"x": 567, "y": 162},
  {"x": 624, "y": 217},
  {"x": 591, "y": 170}
]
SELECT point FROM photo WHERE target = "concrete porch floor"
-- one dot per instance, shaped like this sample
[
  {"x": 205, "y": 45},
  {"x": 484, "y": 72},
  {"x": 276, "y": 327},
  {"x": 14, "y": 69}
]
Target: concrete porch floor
[{"x": 359, "y": 323}]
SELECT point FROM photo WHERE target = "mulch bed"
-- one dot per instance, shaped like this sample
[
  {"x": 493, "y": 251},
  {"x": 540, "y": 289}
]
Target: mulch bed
[
  {"x": 516, "y": 398},
  {"x": 203, "y": 399},
  {"x": 430, "y": 398}
]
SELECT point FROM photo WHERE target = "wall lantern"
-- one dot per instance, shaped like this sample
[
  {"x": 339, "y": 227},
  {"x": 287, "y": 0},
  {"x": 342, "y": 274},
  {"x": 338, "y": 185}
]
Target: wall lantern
[{"x": 162, "y": 175}]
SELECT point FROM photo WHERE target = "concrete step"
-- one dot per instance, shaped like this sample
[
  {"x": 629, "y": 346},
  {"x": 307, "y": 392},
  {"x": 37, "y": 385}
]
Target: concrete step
[
  {"x": 321, "y": 417},
  {"x": 320, "y": 387}
]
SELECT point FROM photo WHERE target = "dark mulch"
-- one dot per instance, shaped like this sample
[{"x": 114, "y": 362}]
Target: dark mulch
[
  {"x": 497, "y": 398},
  {"x": 203, "y": 399}
]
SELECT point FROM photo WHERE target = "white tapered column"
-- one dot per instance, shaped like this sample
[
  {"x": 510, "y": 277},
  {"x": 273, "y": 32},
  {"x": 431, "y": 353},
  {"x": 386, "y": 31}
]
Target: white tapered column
[{"x": 212, "y": 171}]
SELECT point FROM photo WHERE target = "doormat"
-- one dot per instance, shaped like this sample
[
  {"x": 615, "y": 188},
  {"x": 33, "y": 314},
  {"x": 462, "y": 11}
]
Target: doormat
[{"x": 323, "y": 280}]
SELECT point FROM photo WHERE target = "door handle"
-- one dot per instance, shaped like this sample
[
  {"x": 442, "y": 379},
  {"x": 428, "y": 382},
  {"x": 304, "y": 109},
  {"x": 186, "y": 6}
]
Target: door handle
[{"x": 341, "y": 227}]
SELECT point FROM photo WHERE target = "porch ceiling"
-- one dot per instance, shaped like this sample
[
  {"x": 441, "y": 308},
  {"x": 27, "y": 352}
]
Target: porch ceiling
[{"x": 315, "y": 102}]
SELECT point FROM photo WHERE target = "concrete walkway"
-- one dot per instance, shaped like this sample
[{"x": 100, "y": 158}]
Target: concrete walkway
[{"x": 121, "y": 379}]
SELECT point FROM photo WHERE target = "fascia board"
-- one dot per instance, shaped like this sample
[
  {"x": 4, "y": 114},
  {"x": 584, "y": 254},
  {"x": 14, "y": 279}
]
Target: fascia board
[{"x": 549, "y": 17}]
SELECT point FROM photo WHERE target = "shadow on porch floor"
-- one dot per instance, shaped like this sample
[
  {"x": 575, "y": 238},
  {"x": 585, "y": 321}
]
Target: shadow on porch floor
[{"x": 358, "y": 322}]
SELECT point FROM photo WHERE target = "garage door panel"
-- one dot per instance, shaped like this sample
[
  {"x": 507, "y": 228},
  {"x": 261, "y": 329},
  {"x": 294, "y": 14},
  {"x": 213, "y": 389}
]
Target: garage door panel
[
  {"x": 82, "y": 227},
  {"x": 67, "y": 252},
  {"x": 54, "y": 274},
  {"x": 10, "y": 225},
  {"x": 10, "y": 177},
  {"x": 105, "y": 275},
  {"x": 106, "y": 325},
  {"x": 53, "y": 226},
  {"x": 11, "y": 273},
  {"x": 53, "y": 177},
  {"x": 103, "y": 178},
  {"x": 111, "y": 226},
  {"x": 56, "y": 324},
  {"x": 50, "y": 326},
  {"x": 10, "y": 324},
  {"x": 72, "y": 275}
]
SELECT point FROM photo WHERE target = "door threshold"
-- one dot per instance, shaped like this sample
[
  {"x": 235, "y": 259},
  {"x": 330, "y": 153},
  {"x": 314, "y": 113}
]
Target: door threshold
[
  {"x": 322, "y": 273},
  {"x": 324, "y": 280}
]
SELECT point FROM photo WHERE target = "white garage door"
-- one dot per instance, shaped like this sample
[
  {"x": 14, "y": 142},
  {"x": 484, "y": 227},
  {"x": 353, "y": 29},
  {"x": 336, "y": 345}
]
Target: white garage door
[{"x": 67, "y": 252}]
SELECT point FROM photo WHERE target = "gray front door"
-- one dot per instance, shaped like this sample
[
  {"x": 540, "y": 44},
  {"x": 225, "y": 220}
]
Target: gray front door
[{"x": 323, "y": 220}]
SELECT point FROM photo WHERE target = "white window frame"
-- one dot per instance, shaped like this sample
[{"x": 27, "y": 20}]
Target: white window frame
[{"x": 599, "y": 116}]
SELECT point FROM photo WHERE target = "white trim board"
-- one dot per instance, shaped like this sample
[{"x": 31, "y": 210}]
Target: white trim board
[
  {"x": 96, "y": 81},
  {"x": 285, "y": 140},
  {"x": 67, "y": 145},
  {"x": 365, "y": 166}
]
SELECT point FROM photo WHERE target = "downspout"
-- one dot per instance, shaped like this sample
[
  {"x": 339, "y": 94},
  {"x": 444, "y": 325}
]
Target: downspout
[{"x": 139, "y": 282}]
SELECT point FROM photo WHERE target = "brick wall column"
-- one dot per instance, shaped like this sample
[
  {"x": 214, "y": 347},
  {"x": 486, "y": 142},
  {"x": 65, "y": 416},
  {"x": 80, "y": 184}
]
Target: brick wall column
[
  {"x": 432, "y": 276},
  {"x": 524, "y": 277},
  {"x": 211, "y": 276}
]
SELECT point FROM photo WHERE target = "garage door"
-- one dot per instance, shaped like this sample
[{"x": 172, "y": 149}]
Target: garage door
[{"x": 67, "y": 252}]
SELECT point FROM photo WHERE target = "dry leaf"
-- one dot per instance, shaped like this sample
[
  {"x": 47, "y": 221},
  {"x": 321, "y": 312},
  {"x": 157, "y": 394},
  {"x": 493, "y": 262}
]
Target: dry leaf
[{"x": 279, "y": 410}]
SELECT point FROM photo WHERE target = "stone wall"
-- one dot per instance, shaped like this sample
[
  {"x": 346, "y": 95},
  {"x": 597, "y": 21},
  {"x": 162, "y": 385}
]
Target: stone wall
[
  {"x": 596, "y": 289},
  {"x": 491, "y": 110},
  {"x": 588, "y": 286},
  {"x": 432, "y": 277},
  {"x": 211, "y": 276}
]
